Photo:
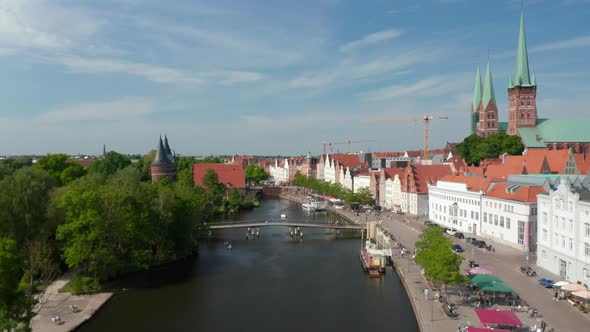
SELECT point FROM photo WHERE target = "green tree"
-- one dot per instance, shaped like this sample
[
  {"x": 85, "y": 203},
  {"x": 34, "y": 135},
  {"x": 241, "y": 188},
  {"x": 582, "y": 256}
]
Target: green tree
[
  {"x": 364, "y": 196},
  {"x": 435, "y": 255},
  {"x": 72, "y": 172},
  {"x": 110, "y": 164},
  {"x": 475, "y": 148},
  {"x": 54, "y": 164},
  {"x": 255, "y": 174},
  {"x": 15, "y": 307},
  {"x": 234, "y": 198}
]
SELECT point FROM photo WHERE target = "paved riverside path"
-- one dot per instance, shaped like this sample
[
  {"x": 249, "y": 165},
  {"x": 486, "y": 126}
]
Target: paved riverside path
[
  {"x": 52, "y": 302},
  {"x": 504, "y": 263}
]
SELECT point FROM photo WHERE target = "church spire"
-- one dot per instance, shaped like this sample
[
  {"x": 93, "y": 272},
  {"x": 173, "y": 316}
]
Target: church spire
[
  {"x": 488, "y": 88},
  {"x": 477, "y": 90},
  {"x": 160, "y": 157},
  {"x": 522, "y": 75}
]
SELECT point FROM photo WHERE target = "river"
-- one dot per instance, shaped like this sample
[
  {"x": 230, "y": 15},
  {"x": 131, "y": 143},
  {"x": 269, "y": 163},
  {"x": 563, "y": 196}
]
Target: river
[{"x": 270, "y": 284}]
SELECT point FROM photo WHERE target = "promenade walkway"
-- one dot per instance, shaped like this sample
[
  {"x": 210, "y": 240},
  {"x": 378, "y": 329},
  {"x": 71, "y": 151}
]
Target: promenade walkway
[
  {"x": 52, "y": 302},
  {"x": 504, "y": 263}
]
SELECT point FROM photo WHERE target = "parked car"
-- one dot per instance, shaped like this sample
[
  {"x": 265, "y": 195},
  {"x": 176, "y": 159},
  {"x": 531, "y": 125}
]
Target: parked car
[
  {"x": 457, "y": 248},
  {"x": 451, "y": 232},
  {"x": 427, "y": 222},
  {"x": 459, "y": 235},
  {"x": 473, "y": 264},
  {"x": 470, "y": 239},
  {"x": 545, "y": 282}
]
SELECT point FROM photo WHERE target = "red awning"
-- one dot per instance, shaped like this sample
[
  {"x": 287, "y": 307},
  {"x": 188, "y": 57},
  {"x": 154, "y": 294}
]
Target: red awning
[{"x": 491, "y": 318}]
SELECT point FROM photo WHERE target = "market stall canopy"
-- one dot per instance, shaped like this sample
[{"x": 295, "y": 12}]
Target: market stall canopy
[
  {"x": 583, "y": 294},
  {"x": 492, "y": 318},
  {"x": 490, "y": 283},
  {"x": 478, "y": 270},
  {"x": 573, "y": 287},
  {"x": 560, "y": 283},
  {"x": 483, "y": 329}
]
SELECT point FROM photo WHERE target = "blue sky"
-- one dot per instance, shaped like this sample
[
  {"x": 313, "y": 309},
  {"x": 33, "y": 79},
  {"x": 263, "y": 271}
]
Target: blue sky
[{"x": 271, "y": 77}]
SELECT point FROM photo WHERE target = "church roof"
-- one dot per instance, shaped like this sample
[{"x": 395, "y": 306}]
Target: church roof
[
  {"x": 477, "y": 90},
  {"x": 488, "y": 88},
  {"x": 167, "y": 146},
  {"x": 522, "y": 75},
  {"x": 567, "y": 130}
]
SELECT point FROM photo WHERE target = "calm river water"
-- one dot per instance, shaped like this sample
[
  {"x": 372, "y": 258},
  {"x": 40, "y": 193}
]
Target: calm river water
[{"x": 270, "y": 284}]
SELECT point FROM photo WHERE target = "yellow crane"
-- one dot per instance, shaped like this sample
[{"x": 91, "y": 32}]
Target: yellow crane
[{"x": 425, "y": 120}]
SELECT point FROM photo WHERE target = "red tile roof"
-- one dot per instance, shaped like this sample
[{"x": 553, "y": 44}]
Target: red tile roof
[
  {"x": 84, "y": 162},
  {"x": 582, "y": 163},
  {"x": 474, "y": 183},
  {"x": 391, "y": 172},
  {"x": 346, "y": 160},
  {"x": 414, "y": 154},
  {"x": 227, "y": 173},
  {"x": 428, "y": 174},
  {"x": 521, "y": 193}
]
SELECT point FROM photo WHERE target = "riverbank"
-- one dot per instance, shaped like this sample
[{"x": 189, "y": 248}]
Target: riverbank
[{"x": 52, "y": 303}]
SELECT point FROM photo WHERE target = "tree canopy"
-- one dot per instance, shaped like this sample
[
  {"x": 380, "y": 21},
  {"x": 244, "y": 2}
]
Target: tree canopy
[
  {"x": 255, "y": 174},
  {"x": 475, "y": 148},
  {"x": 435, "y": 255},
  {"x": 336, "y": 190},
  {"x": 110, "y": 163}
]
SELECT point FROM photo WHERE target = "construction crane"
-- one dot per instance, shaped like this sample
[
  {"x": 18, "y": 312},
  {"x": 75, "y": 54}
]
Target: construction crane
[
  {"x": 425, "y": 120},
  {"x": 348, "y": 142}
]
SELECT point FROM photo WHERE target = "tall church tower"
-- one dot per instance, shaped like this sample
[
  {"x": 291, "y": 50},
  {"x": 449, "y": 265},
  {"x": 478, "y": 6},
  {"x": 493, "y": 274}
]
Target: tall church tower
[
  {"x": 476, "y": 102},
  {"x": 488, "y": 111},
  {"x": 522, "y": 92}
]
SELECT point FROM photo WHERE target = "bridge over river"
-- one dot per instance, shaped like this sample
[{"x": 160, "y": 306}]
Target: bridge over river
[{"x": 288, "y": 223}]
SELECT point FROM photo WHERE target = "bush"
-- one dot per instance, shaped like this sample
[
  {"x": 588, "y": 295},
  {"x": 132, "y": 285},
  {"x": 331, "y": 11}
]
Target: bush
[{"x": 81, "y": 285}]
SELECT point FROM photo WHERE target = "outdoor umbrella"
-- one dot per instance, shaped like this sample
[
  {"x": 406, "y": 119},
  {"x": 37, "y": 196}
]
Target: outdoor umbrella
[
  {"x": 582, "y": 294},
  {"x": 478, "y": 270},
  {"x": 560, "y": 283},
  {"x": 573, "y": 287}
]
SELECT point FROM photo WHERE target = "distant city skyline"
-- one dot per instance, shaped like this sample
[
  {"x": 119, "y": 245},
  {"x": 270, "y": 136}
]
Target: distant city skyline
[{"x": 271, "y": 78}]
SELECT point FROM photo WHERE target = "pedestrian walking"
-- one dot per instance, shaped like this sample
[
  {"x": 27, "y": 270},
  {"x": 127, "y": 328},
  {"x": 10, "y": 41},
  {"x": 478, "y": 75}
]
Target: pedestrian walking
[{"x": 555, "y": 298}]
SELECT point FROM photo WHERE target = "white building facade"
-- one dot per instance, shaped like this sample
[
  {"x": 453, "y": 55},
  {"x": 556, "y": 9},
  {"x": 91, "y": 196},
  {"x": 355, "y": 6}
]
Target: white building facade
[
  {"x": 563, "y": 238},
  {"x": 510, "y": 222},
  {"x": 279, "y": 172},
  {"x": 452, "y": 205}
]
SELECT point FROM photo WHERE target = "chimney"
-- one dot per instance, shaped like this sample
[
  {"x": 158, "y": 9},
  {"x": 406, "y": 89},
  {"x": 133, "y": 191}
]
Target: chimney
[{"x": 538, "y": 137}]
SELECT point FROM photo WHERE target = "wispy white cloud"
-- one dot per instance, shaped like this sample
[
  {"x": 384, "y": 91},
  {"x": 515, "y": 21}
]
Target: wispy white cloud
[
  {"x": 351, "y": 71},
  {"x": 40, "y": 24},
  {"x": 154, "y": 73},
  {"x": 582, "y": 41},
  {"x": 371, "y": 39},
  {"x": 236, "y": 77},
  {"x": 429, "y": 87},
  {"x": 111, "y": 110}
]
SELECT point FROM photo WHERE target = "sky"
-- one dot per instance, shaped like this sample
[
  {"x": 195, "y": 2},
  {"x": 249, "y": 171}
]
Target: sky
[{"x": 272, "y": 77}]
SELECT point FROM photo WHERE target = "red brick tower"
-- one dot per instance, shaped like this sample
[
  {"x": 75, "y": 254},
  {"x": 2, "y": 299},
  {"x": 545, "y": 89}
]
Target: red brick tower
[
  {"x": 522, "y": 92},
  {"x": 488, "y": 110},
  {"x": 164, "y": 164}
]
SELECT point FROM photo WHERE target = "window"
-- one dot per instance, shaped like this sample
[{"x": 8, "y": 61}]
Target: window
[
  {"x": 485, "y": 219},
  {"x": 556, "y": 239},
  {"x": 571, "y": 226},
  {"x": 587, "y": 229},
  {"x": 476, "y": 215},
  {"x": 571, "y": 244},
  {"x": 495, "y": 220},
  {"x": 501, "y": 221},
  {"x": 507, "y": 223},
  {"x": 472, "y": 215},
  {"x": 544, "y": 235},
  {"x": 545, "y": 219},
  {"x": 563, "y": 242},
  {"x": 587, "y": 248}
]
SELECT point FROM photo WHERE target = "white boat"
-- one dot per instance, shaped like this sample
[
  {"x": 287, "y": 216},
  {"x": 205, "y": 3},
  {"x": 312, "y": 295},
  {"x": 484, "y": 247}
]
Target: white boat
[
  {"x": 313, "y": 206},
  {"x": 283, "y": 216}
]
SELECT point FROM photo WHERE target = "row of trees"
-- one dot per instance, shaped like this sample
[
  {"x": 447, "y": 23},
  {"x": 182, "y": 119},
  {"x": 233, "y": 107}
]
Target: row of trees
[
  {"x": 362, "y": 196},
  {"x": 434, "y": 253},
  {"x": 101, "y": 222},
  {"x": 475, "y": 148}
]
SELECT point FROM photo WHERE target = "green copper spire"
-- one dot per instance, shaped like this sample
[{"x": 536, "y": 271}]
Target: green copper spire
[
  {"x": 488, "y": 88},
  {"x": 533, "y": 79},
  {"x": 510, "y": 84},
  {"x": 477, "y": 90},
  {"x": 522, "y": 76}
]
